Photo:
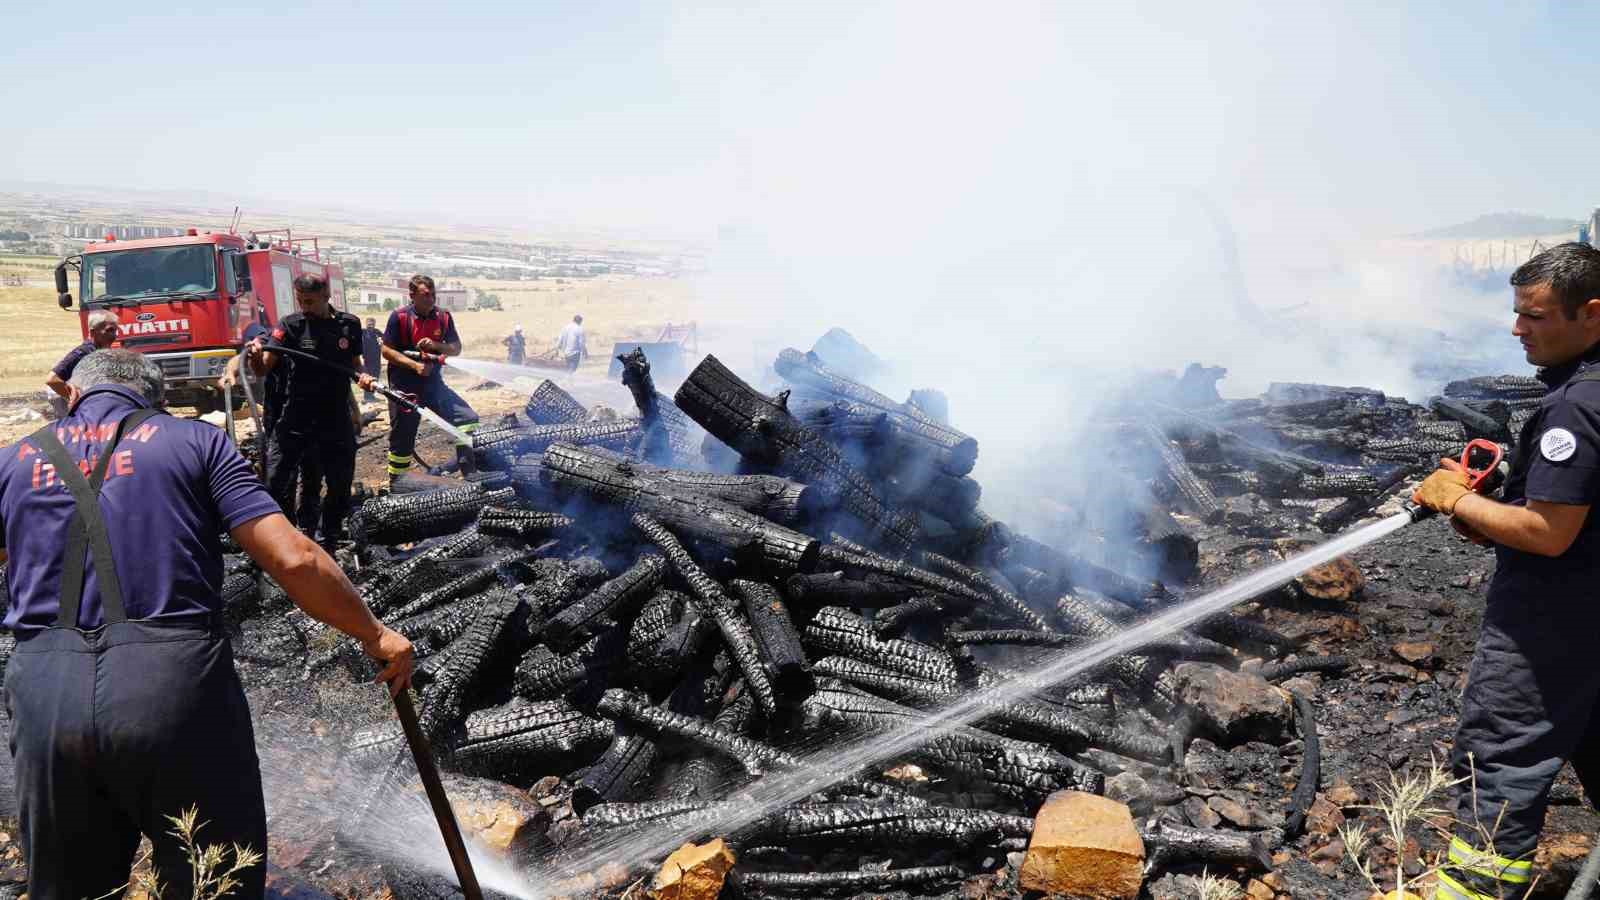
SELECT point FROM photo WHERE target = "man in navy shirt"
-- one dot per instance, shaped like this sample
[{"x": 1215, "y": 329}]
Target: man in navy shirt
[
  {"x": 422, "y": 326},
  {"x": 309, "y": 511},
  {"x": 315, "y": 419},
  {"x": 1534, "y": 690},
  {"x": 125, "y": 706},
  {"x": 371, "y": 353},
  {"x": 102, "y": 334}
]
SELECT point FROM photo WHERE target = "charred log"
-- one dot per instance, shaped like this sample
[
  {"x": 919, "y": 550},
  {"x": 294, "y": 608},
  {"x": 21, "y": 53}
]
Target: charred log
[
  {"x": 1025, "y": 551},
  {"x": 545, "y": 675},
  {"x": 403, "y": 518},
  {"x": 529, "y": 525},
  {"x": 833, "y": 824},
  {"x": 817, "y": 884},
  {"x": 1275, "y": 671},
  {"x": 833, "y": 589},
  {"x": 762, "y": 430},
  {"x": 715, "y": 605},
  {"x": 753, "y": 756},
  {"x": 776, "y": 637},
  {"x": 496, "y": 448},
  {"x": 572, "y": 470},
  {"x": 873, "y": 563},
  {"x": 1305, "y": 790},
  {"x": 1019, "y": 769},
  {"x": 549, "y": 404},
  {"x": 1006, "y": 605},
  {"x": 1140, "y": 672},
  {"x": 1166, "y": 844},
  {"x": 618, "y": 773},
  {"x": 836, "y": 630},
  {"x": 492, "y": 627},
  {"x": 896, "y": 620},
  {"x": 475, "y": 579},
  {"x": 1337, "y": 518},
  {"x": 1193, "y": 496},
  {"x": 1477, "y": 424},
  {"x": 422, "y": 572},
  {"x": 620, "y": 595},
  {"x": 520, "y": 743},
  {"x": 668, "y": 632},
  {"x": 1497, "y": 387}
]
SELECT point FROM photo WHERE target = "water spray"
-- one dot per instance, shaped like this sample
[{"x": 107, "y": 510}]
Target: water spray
[{"x": 504, "y": 374}]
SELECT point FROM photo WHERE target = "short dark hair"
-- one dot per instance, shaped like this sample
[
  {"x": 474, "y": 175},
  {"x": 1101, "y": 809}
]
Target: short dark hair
[
  {"x": 421, "y": 280},
  {"x": 311, "y": 284},
  {"x": 1572, "y": 270}
]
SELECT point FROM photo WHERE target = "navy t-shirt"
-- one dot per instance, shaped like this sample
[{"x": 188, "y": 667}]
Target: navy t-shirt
[
  {"x": 63, "y": 369},
  {"x": 1557, "y": 460},
  {"x": 172, "y": 488}
]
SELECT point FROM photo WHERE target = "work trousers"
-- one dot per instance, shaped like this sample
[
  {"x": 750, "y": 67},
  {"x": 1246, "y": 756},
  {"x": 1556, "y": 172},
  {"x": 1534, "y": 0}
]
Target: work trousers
[
  {"x": 515, "y": 357},
  {"x": 1529, "y": 706},
  {"x": 433, "y": 394},
  {"x": 115, "y": 729},
  {"x": 328, "y": 443},
  {"x": 573, "y": 361},
  {"x": 369, "y": 364}
]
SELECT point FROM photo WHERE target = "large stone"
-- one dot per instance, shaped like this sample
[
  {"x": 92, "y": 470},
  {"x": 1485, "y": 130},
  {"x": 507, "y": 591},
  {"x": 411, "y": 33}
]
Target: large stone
[
  {"x": 497, "y": 816},
  {"x": 1239, "y": 706},
  {"x": 693, "y": 872},
  {"x": 1338, "y": 579},
  {"x": 1084, "y": 845}
]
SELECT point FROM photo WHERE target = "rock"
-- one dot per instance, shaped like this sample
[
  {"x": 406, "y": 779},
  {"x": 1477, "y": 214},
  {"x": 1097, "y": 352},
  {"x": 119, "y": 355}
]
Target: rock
[
  {"x": 1559, "y": 857},
  {"x": 1417, "y": 653},
  {"x": 1084, "y": 845},
  {"x": 1324, "y": 817},
  {"x": 1256, "y": 890},
  {"x": 1300, "y": 684},
  {"x": 693, "y": 872},
  {"x": 1129, "y": 789},
  {"x": 1241, "y": 815},
  {"x": 1338, "y": 579},
  {"x": 496, "y": 815},
  {"x": 1239, "y": 706},
  {"x": 1199, "y": 814},
  {"x": 1332, "y": 851}
]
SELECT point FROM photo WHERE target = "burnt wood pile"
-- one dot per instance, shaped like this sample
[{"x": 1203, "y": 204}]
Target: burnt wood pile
[{"x": 659, "y": 609}]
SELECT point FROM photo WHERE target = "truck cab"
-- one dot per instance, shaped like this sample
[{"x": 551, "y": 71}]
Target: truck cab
[{"x": 186, "y": 301}]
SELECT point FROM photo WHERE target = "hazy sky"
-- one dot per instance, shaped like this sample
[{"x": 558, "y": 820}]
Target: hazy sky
[{"x": 1371, "y": 117}]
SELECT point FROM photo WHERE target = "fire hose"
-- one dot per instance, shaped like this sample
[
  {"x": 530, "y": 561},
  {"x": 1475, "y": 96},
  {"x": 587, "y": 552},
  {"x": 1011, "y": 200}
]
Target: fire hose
[{"x": 1483, "y": 462}]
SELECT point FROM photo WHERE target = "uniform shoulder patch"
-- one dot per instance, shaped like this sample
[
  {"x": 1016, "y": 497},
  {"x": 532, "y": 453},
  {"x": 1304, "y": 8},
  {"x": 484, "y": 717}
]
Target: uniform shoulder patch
[
  {"x": 1558, "y": 445},
  {"x": 278, "y": 333}
]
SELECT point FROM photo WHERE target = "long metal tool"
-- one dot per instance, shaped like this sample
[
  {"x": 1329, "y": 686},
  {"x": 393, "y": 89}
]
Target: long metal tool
[
  {"x": 255, "y": 416},
  {"x": 448, "y": 827}
]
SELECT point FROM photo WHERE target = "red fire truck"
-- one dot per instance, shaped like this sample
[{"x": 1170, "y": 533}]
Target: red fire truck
[{"x": 186, "y": 301}]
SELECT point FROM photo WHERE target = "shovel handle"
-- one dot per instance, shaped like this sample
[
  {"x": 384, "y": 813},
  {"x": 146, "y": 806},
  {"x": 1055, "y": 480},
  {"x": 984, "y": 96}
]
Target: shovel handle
[{"x": 448, "y": 827}]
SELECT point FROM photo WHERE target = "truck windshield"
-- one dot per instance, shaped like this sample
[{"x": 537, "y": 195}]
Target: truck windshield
[{"x": 150, "y": 272}]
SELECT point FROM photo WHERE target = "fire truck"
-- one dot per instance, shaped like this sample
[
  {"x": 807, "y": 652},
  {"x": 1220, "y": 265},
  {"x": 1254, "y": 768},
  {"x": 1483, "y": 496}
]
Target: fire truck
[{"x": 186, "y": 301}]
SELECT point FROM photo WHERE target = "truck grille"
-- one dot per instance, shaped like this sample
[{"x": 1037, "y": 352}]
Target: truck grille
[{"x": 173, "y": 366}]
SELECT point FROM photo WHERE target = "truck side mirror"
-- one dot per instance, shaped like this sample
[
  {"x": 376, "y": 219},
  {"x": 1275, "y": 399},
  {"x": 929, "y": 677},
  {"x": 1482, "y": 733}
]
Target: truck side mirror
[
  {"x": 63, "y": 296},
  {"x": 239, "y": 274}
]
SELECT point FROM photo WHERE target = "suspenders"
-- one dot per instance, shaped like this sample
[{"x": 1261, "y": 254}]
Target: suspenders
[{"x": 89, "y": 525}]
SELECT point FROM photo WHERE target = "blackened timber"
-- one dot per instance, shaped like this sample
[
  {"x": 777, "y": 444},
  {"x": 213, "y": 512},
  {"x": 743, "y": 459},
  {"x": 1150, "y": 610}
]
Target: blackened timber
[
  {"x": 543, "y": 674},
  {"x": 893, "y": 621},
  {"x": 813, "y": 884},
  {"x": 422, "y": 572},
  {"x": 836, "y": 824},
  {"x": 1019, "y": 769},
  {"x": 668, "y": 632},
  {"x": 618, "y": 772},
  {"x": 1025, "y": 551},
  {"x": 842, "y": 557},
  {"x": 570, "y": 469},
  {"x": 715, "y": 605},
  {"x": 1140, "y": 672},
  {"x": 526, "y": 524},
  {"x": 1195, "y": 498},
  {"x": 910, "y": 429},
  {"x": 762, "y": 430},
  {"x": 403, "y": 518},
  {"x": 521, "y": 742},
  {"x": 619, "y": 596},
  {"x": 776, "y": 637},
  {"x": 1007, "y": 605},
  {"x": 1166, "y": 844},
  {"x": 1275, "y": 671},
  {"x": 1337, "y": 518},
  {"x": 753, "y": 756},
  {"x": 833, "y": 589},
  {"x": 472, "y": 581},
  {"x": 779, "y": 499},
  {"x": 1305, "y": 790},
  {"x": 496, "y": 448},
  {"x": 652, "y": 444},
  {"x": 836, "y": 630},
  {"x": 492, "y": 626},
  {"x": 549, "y": 404}
]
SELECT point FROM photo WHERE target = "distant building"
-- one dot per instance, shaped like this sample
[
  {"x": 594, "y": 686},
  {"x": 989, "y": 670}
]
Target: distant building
[{"x": 452, "y": 295}]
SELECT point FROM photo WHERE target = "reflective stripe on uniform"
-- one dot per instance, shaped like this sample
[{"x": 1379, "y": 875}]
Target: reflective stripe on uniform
[
  {"x": 468, "y": 428},
  {"x": 1450, "y": 889},
  {"x": 1481, "y": 862},
  {"x": 399, "y": 464}
]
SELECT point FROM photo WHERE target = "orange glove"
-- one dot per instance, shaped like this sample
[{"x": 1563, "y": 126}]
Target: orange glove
[{"x": 1442, "y": 490}]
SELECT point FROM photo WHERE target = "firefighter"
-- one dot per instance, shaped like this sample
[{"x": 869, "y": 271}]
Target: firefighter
[
  {"x": 371, "y": 353},
  {"x": 422, "y": 326},
  {"x": 125, "y": 706},
  {"x": 315, "y": 419},
  {"x": 1532, "y": 693},
  {"x": 102, "y": 333},
  {"x": 570, "y": 346},
  {"x": 516, "y": 347},
  {"x": 308, "y": 511}
]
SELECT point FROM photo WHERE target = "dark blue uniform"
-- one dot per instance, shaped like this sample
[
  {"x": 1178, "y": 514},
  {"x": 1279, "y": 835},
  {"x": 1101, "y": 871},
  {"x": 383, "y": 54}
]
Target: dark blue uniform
[
  {"x": 314, "y": 423},
  {"x": 405, "y": 328},
  {"x": 1534, "y": 689},
  {"x": 124, "y": 703}
]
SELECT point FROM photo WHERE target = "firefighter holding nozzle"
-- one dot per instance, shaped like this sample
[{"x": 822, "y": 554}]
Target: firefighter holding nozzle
[{"x": 1533, "y": 693}]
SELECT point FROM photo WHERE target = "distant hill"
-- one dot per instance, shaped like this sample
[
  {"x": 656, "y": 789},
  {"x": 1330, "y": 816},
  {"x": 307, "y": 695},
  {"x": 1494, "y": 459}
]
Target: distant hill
[{"x": 1505, "y": 225}]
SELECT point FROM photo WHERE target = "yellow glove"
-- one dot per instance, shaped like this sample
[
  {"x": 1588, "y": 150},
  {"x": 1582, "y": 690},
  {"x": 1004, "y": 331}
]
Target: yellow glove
[{"x": 1441, "y": 491}]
